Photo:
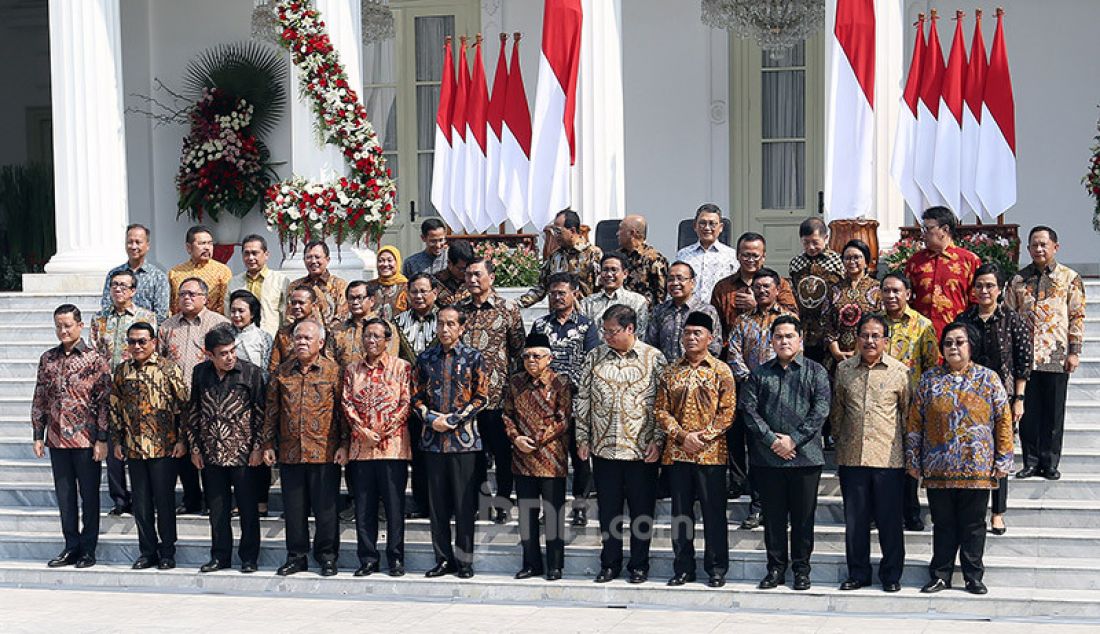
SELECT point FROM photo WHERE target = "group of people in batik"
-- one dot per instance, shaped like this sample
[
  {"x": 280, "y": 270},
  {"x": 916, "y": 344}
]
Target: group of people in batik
[{"x": 698, "y": 381}]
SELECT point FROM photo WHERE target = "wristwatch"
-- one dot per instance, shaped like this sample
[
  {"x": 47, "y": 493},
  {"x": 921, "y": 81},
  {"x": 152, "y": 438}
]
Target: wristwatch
[{"x": 1018, "y": 397}]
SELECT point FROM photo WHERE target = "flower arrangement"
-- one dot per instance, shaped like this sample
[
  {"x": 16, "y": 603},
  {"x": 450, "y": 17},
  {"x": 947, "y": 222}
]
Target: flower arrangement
[
  {"x": 990, "y": 248},
  {"x": 1091, "y": 180},
  {"x": 515, "y": 265},
  {"x": 354, "y": 208}
]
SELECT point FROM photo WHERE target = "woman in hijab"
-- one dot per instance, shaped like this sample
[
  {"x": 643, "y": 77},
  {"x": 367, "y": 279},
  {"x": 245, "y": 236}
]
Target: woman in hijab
[{"x": 389, "y": 290}]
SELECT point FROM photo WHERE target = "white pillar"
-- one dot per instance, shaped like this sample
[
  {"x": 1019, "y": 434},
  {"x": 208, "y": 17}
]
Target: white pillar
[
  {"x": 89, "y": 143},
  {"x": 599, "y": 182}
]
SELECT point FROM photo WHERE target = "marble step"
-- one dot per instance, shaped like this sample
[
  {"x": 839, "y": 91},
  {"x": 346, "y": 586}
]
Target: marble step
[
  {"x": 86, "y": 302},
  {"x": 1022, "y": 541},
  {"x": 1084, "y": 388},
  {"x": 827, "y": 568},
  {"x": 24, "y": 347},
  {"x": 18, "y": 387},
  {"x": 573, "y": 590}
]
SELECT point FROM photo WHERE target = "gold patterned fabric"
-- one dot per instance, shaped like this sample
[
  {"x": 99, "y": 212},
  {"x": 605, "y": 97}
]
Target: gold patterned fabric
[
  {"x": 494, "y": 328},
  {"x": 147, "y": 401},
  {"x": 870, "y": 405},
  {"x": 214, "y": 273},
  {"x": 1053, "y": 300},
  {"x": 647, "y": 272},
  {"x": 302, "y": 415},
  {"x": 347, "y": 341},
  {"x": 913, "y": 342},
  {"x": 539, "y": 408},
  {"x": 696, "y": 398},
  {"x": 581, "y": 259}
]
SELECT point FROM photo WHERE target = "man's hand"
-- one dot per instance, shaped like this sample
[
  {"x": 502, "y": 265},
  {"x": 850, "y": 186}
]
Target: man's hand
[
  {"x": 913, "y": 473},
  {"x": 652, "y": 452},
  {"x": 196, "y": 460},
  {"x": 582, "y": 452},
  {"x": 180, "y": 450},
  {"x": 118, "y": 453},
  {"x": 1017, "y": 411},
  {"x": 1072, "y": 361},
  {"x": 39, "y": 449},
  {"x": 99, "y": 452},
  {"x": 443, "y": 424},
  {"x": 693, "y": 442},
  {"x": 256, "y": 458},
  {"x": 784, "y": 447},
  {"x": 525, "y": 444},
  {"x": 269, "y": 457},
  {"x": 744, "y": 301},
  {"x": 341, "y": 457},
  {"x": 371, "y": 439}
]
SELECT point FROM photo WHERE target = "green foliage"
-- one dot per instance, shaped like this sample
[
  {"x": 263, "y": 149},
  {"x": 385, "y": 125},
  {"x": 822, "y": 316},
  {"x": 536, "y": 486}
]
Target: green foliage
[{"x": 515, "y": 266}]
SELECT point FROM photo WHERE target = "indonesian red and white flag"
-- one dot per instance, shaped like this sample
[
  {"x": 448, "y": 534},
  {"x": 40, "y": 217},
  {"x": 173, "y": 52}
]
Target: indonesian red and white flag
[
  {"x": 553, "y": 138},
  {"x": 996, "y": 173},
  {"x": 494, "y": 206},
  {"x": 976, "y": 69},
  {"x": 477, "y": 111},
  {"x": 947, "y": 167},
  {"x": 903, "y": 160},
  {"x": 441, "y": 157},
  {"x": 458, "y": 143},
  {"x": 515, "y": 145},
  {"x": 928, "y": 109},
  {"x": 850, "y": 135}
]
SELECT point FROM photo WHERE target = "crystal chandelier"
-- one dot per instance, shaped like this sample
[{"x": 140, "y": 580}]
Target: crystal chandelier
[
  {"x": 265, "y": 25},
  {"x": 775, "y": 25},
  {"x": 378, "y": 23}
]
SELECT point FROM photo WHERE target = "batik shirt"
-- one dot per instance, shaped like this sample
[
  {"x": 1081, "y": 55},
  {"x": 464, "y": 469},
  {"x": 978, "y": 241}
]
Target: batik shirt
[
  {"x": 450, "y": 382},
  {"x": 376, "y": 398},
  {"x": 696, "y": 398},
  {"x": 415, "y": 333},
  {"x": 388, "y": 300},
  {"x": 152, "y": 289},
  {"x": 424, "y": 262},
  {"x": 452, "y": 289},
  {"x": 183, "y": 340},
  {"x": 1053, "y": 300},
  {"x": 750, "y": 342},
  {"x": 332, "y": 302},
  {"x": 794, "y": 401},
  {"x": 1004, "y": 345},
  {"x": 647, "y": 274},
  {"x": 913, "y": 342},
  {"x": 710, "y": 265},
  {"x": 225, "y": 418},
  {"x": 302, "y": 417},
  {"x": 959, "y": 429},
  {"x": 725, "y": 302},
  {"x": 214, "y": 273},
  {"x": 594, "y": 305},
  {"x": 495, "y": 328},
  {"x": 147, "y": 401},
  {"x": 666, "y": 326},
  {"x": 614, "y": 402},
  {"x": 848, "y": 303},
  {"x": 109, "y": 331},
  {"x": 581, "y": 259},
  {"x": 941, "y": 283},
  {"x": 71, "y": 398},
  {"x": 870, "y": 405},
  {"x": 539, "y": 408},
  {"x": 812, "y": 280},
  {"x": 347, "y": 341},
  {"x": 282, "y": 349},
  {"x": 569, "y": 342}
]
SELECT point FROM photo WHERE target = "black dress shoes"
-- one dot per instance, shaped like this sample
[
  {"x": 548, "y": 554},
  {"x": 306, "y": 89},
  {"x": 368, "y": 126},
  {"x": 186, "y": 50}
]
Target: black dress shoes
[
  {"x": 367, "y": 569},
  {"x": 607, "y": 574},
  {"x": 66, "y": 558},
  {"x": 554, "y": 574},
  {"x": 166, "y": 563},
  {"x": 465, "y": 572},
  {"x": 681, "y": 579},
  {"x": 773, "y": 579},
  {"x": 891, "y": 587},
  {"x": 580, "y": 518},
  {"x": 1028, "y": 472},
  {"x": 976, "y": 587},
  {"x": 914, "y": 526},
  {"x": 752, "y": 521},
  {"x": 249, "y": 567},
  {"x": 144, "y": 562},
  {"x": 526, "y": 573},
  {"x": 416, "y": 515},
  {"x": 85, "y": 561},
  {"x": 498, "y": 516},
  {"x": 440, "y": 569},
  {"x": 638, "y": 576},
  {"x": 292, "y": 566},
  {"x": 213, "y": 566},
  {"x": 716, "y": 581},
  {"x": 935, "y": 585},
  {"x": 852, "y": 584},
  {"x": 397, "y": 568},
  {"x": 1052, "y": 474},
  {"x": 328, "y": 568},
  {"x": 118, "y": 511},
  {"x": 801, "y": 581}
]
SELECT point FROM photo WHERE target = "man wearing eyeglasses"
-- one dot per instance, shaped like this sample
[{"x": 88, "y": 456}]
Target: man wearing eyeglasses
[
  {"x": 347, "y": 336},
  {"x": 870, "y": 404},
  {"x": 666, "y": 324},
  {"x": 613, "y": 276},
  {"x": 182, "y": 340},
  {"x": 573, "y": 255},
  {"x": 301, "y": 305},
  {"x": 942, "y": 273},
  {"x": 709, "y": 258},
  {"x": 733, "y": 295}
]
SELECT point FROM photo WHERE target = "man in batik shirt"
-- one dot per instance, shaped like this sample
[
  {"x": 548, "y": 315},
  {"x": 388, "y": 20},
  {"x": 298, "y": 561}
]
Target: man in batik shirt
[
  {"x": 573, "y": 255},
  {"x": 202, "y": 265},
  {"x": 329, "y": 289},
  {"x": 666, "y": 324},
  {"x": 942, "y": 273},
  {"x": 646, "y": 267},
  {"x": 814, "y": 273}
]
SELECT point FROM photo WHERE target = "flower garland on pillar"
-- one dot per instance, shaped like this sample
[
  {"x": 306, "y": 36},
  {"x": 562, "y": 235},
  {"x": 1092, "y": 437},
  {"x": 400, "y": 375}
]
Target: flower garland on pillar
[{"x": 354, "y": 208}]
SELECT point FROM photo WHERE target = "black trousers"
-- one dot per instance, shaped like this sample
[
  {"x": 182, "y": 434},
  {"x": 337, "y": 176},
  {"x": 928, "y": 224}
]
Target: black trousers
[
  {"x": 222, "y": 485},
  {"x": 999, "y": 497},
  {"x": 547, "y": 494},
  {"x": 452, "y": 492},
  {"x": 189, "y": 478},
  {"x": 788, "y": 493},
  {"x": 873, "y": 494},
  {"x": 737, "y": 449},
  {"x": 635, "y": 483},
  {"x": 261, "y": 483},
  {"x": 1044, "y": 419},
  {"x": 379, "y": 481},
  {"x": 419, "y": 473},
  {"x": 490, "y": 424},
  {"x": 707, "y": 483},
  {"x": 154, "y": 482},
  {"x": 313, "y": 487},
  {"x": 958, "y": 527},
  {"x": 582, "y": 471},
  {"x": 74, "y": 471},
  {"x": 116, "y": 479},
  {"x": 911, "y": 512}
]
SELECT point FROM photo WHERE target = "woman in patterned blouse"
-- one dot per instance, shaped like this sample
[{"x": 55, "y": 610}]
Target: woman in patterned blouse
[
  {"x": 1005, "y": 348},
  {"x": 856, "y": 295},
  {"x": 959, "y": 440},
  {"x": 391, "y": 287},
  {"x": 253, "y": 345}
]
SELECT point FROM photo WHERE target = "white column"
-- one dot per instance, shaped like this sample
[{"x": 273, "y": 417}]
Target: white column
[
  {"x": 599, "y": 182},
  {"x": 89, "y": 142}
]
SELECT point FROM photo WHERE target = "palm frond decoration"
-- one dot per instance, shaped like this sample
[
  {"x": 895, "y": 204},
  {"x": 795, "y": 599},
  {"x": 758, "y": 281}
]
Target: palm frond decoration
[{"x": 249, "y": 70}]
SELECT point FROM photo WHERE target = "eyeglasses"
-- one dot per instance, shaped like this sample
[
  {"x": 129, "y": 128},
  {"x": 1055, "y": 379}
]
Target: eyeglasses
[
  {"x": 985, "y": 286},
  {"x": 418, "y": 292},
  {"x": 192, "y": 294},
  {"x": 137, "y": 342},
  {"x": 679, "y": 279},
  {"x": 955, "y": 343},
  {"x": 608, "y": 332},
  {"x": 749, "y": 257},
  {"x": 121, "y": 285},
  {"x": 358, "y": 299},
  {"x": 708, "y": 224},
  {"x": 871, "y": 336},
  {"x": 927, "y": 228},
  {"x": 533, "y": 356},
  {"x": 853, "y": 258}
]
